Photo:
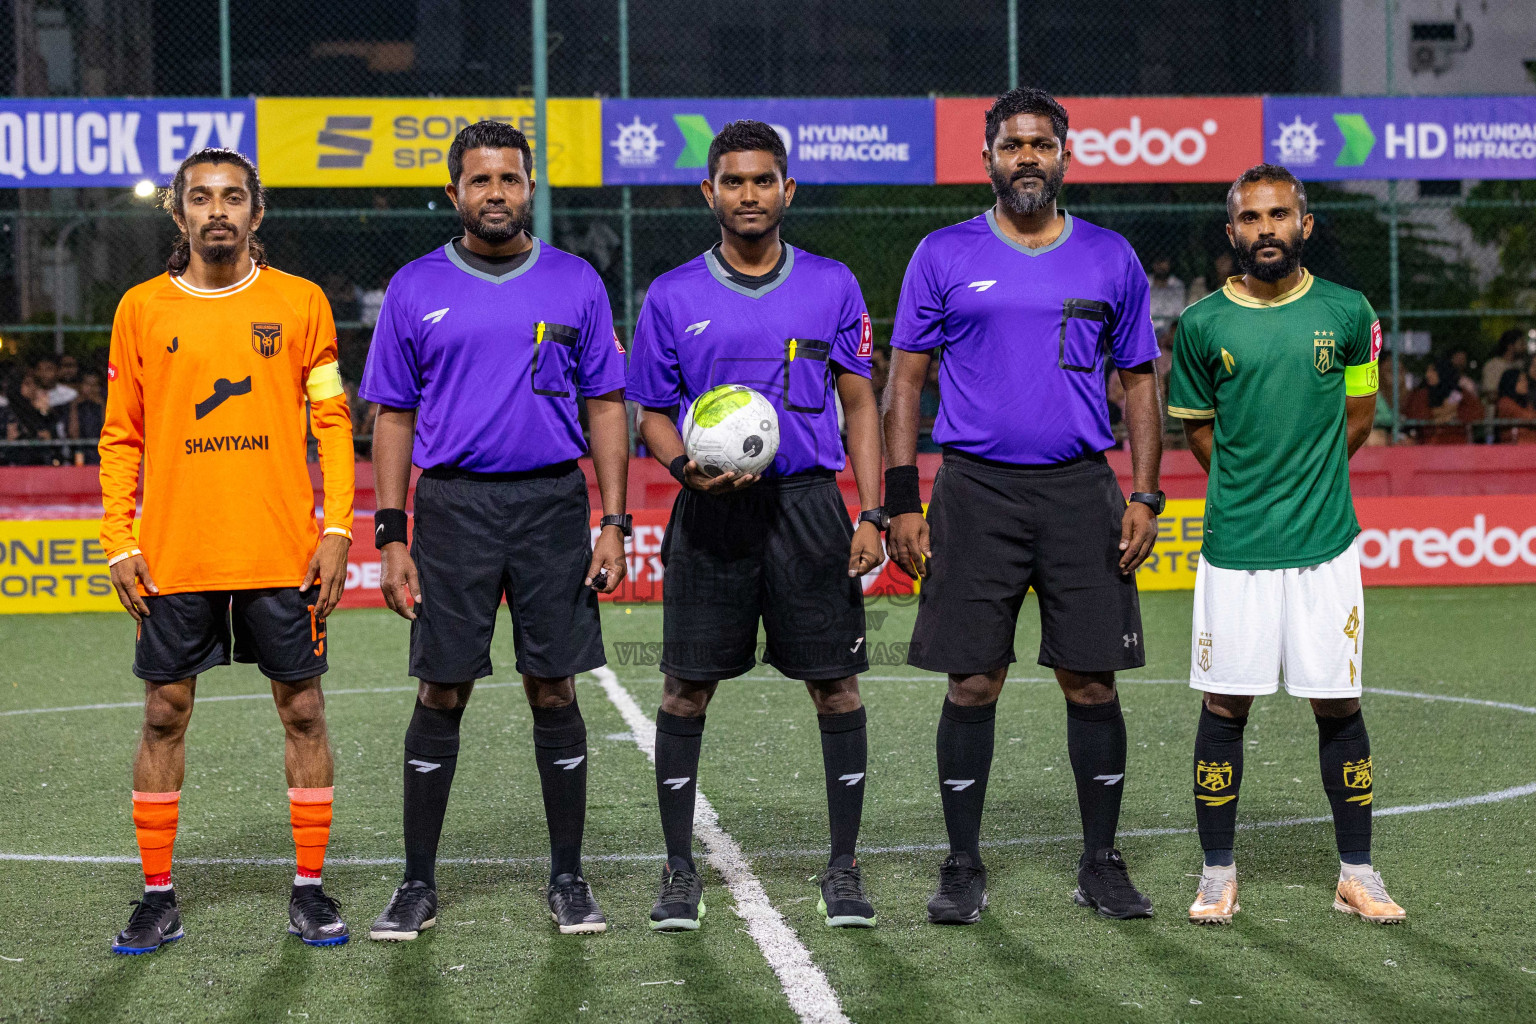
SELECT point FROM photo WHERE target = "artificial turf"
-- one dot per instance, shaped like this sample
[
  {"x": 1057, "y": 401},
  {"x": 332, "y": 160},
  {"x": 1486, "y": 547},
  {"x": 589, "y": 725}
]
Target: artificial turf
[{"x": 1467, "y": 952}]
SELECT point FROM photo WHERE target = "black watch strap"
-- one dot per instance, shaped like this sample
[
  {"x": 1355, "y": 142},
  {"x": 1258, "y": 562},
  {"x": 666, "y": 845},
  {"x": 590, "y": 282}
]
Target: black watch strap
[
  {"x": 623, "y": 520},
  {"x": 1155, "y": 500},
  {"x": 877, "y": 516}
]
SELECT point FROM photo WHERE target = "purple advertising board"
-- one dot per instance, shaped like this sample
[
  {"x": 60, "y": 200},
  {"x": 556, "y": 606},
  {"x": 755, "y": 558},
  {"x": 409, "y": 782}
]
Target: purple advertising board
[
  {"x": 1332, "y": 138},
  {"x": 830, "y": 141}
]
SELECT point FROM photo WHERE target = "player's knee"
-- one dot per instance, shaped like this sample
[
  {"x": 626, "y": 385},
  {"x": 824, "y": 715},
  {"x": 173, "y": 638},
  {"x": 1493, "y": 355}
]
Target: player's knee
[
  {"x": 685, "y": 698},
  {"x": 165, "y": 720},
  {"x": 1341, "y": 708},
  {"x": 1087, "y": 688},
  {"x": 304, "y": 713},
  {"x": 549, "y": 693},
  {"x": 444, "y": 696},
  {"x": 835, "y": 697},
  {"x": 973, "y": 691},
  {"x": 1228, "y": 705}
]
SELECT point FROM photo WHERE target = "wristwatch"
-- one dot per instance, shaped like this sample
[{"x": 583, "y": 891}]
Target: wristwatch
[
  {"x": 877, "y": 516},
  {"x": 624, "y": 521},
  {"x": 1155, "y": 500}
]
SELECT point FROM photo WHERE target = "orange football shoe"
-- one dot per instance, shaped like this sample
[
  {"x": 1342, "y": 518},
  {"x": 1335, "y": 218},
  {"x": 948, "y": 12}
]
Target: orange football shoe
[
  {"x": 1216, "y": 901},
  {"x": 1365, "y": 894}
]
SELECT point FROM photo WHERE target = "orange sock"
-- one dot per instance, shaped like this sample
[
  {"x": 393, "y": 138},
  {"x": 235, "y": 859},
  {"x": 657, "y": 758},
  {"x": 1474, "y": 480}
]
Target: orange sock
[
  {"x": 154, "y": 821},
  {"x": 310, "y": 812}
]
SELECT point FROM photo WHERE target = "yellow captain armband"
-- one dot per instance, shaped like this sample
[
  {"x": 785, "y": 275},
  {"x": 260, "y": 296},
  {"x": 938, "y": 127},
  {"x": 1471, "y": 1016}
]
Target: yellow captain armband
[
  {"x": 324, "y": 382},
  {"x": 1361, "y": 380}
]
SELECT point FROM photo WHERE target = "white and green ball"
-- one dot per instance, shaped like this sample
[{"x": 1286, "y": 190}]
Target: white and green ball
[{"x": 731, "y": 429}]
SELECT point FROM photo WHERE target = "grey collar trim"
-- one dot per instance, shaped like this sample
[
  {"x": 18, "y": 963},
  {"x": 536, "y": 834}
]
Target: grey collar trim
[
  {"x": 1066, "y": 233},
  {"x": 724, "y": 278},
  {"x": 523, "y": 268}
]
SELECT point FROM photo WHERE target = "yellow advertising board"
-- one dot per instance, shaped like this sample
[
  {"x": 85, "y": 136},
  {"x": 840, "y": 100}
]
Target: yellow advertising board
[
  {"x": 54, "y": 565},
  {"x": 370, "y": 142},
  {"x": 1172, "y": 563}
]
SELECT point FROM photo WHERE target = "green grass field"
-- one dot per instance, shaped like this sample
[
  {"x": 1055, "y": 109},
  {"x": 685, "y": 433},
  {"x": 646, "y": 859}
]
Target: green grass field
[{"x": 1466, "y": 954}]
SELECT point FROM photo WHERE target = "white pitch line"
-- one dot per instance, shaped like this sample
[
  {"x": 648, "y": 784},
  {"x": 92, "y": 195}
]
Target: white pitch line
[
  {"x": 348, "y": 692},
  {"x": 809, "y": 993}
]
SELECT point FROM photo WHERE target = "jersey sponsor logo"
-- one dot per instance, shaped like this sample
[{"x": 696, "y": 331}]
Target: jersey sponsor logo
[
  {"x": 1228, "y": 362},
  {"x": 111, "y": 372},
  {"x": 173, "y": 346},
  {"x": 981, "y": 286},
  {"x": 866, "y": 336},
  {"x": 223, "y": 390},
  {"x": 227, "y": 443},
  {"x": 434, "y": 316},
  {"x": 696, "y": 329},
  {"x": 1375, "y": 340},
  {"x": 267, "y": 339},
  {"x": 1323, "y": 351}
]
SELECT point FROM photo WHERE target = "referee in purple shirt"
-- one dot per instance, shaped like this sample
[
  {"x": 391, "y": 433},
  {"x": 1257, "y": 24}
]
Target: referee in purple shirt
[
  {"x": 481, "y": 350},
  {"x": 1029, "y": 306}
]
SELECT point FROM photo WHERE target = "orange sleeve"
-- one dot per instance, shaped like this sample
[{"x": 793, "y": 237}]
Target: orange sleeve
[
  {"x": 330, "y": 415},
  {"x": 122, "y": 432}
]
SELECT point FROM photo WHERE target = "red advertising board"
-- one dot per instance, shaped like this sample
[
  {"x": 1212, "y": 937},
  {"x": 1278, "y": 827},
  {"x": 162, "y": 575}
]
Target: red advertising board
[
  {"x": 1120, "y": 139},
  {"x": 1447, "y": 541}
]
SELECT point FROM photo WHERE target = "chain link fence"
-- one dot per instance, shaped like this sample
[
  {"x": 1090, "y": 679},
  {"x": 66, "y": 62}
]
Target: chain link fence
[{"x": 1461, "y": 276}]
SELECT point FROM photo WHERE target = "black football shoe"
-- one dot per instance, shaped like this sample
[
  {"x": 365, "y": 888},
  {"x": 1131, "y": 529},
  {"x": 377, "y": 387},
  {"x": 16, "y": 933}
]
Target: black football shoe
[
  {"x": 1104, "y": 884},
  {"x": 155, "y": 921},
  {"x": 573, "y": 907},
  {"x": 843, "y": 902},
  {"x": 315, "y": 917},
  {"x": 681, "y": 903},
  {"x": 962, "y": 893},
  {"x": 411, "y": 911}
]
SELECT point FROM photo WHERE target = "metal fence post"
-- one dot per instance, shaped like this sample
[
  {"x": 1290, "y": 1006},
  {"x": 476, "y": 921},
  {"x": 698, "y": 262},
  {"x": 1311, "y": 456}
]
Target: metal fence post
[
  {"x": 224, "y": 55},
  {"x": 543, "y": 220},
  {"x": 1013, "y": 45},
  {"x": 626, "y": 216}
]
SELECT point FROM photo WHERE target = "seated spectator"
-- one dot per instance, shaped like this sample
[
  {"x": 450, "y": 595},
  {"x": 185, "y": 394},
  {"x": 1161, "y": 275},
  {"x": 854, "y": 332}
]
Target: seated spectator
[
  {"x": 46, "y": 374},
  {"x": 372, "y": 300},
  {"x": 36, "y": 420},
  {"x": 69, "y": 371},
  {"x": 1506, "y": 356},
  {"x": 1517, "y": 401},
  {"x": 1449, "y": 400},
  {"x": 1168, "y": 293},
  {"x": 86, "y": 415},
  {"x": 1223, "y": 266}
]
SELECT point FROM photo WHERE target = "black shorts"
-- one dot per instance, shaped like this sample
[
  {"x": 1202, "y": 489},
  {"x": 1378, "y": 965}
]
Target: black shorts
[
  {"x": 998, "y": 531},
  {"x": 479, "y": 536},
  {"x": 274, "y": 627},
  {"x": 778, "y": 552}
]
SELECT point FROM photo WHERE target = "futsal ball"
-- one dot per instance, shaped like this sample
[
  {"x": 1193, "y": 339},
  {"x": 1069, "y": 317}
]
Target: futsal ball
[{"x": 731, "y": 429}]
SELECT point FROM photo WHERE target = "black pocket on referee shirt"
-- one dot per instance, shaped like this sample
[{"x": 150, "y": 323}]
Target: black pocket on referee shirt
[
  {"x": 805, "y": 375},
  {"x": 554, "y": 352},
  {"x": 1085, "y": 326}
]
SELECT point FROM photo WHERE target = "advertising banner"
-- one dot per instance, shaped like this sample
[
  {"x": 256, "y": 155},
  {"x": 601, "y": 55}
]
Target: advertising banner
[
  {"x": 1119, "y": 139},
  {"x": 106, "y": 143},
  {"x": 1331, "y": 138},
  {"x": 360, "y": 142},
  {"x": 830, "y": 141},
  {"x": 1447, "y": 541}
]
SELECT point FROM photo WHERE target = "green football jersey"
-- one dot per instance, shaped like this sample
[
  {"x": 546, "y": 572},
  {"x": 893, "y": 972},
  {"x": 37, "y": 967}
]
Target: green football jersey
[{"x": 1273, "y": 377}]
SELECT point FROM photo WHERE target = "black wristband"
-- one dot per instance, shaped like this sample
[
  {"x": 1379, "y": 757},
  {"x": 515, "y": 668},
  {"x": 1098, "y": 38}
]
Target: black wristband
[
  {"x": 901, "y": 491},
  {"x": 676, "y": 468},
  {"x": 388, "y": 527}
]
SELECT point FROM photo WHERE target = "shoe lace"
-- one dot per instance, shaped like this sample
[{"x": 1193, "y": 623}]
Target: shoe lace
[
  {"x": 406, "y": 898},
  {"x": 955, "y": 879},
  {"x": 1374, "y": 887},
  {"x": 1115, "y": 876},
  {"x": 317, "y": 905},
  {"x": 845, "y": 883},
  {"x": 577, "y": 896},
  {"x": 678, "y": 886},
  {"x": 144, "y": 913},
  {"x": 1211, "y": 889}
]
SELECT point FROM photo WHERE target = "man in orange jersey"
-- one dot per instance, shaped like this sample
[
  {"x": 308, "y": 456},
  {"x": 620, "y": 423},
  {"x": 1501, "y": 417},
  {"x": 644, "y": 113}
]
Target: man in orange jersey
[{"x": 212, "y": 367}]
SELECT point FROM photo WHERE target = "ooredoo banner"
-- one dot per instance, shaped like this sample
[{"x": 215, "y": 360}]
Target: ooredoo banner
[
  {"x": 1120, "y": 139},
  {"x": 1446, "y": 541}
]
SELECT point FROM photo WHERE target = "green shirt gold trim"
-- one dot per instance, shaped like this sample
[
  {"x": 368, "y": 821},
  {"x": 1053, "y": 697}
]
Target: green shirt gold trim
[{"x": 1243, "y": 299}]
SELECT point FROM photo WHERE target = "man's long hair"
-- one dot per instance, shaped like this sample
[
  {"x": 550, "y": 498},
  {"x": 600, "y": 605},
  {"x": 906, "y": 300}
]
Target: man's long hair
[{"x": 172, "y": 197}]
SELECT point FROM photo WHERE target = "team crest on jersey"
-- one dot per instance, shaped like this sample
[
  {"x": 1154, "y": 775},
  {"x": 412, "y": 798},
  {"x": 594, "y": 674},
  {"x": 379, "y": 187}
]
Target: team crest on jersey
[
  {"x": 267, "y": 339},
  {"x": 1205, "y": 652},
  {"x": 866, "y": 337},
  {"x": 1322, "y": 351},
  {"x": 1213, "y": 776}
]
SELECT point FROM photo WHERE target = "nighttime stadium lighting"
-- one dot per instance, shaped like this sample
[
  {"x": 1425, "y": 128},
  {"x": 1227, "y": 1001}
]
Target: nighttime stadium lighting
[{"x": 144, "y": 189}]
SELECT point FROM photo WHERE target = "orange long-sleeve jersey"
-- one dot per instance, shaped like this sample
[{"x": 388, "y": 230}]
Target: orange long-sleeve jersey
[{"x": 209, "y": 386}]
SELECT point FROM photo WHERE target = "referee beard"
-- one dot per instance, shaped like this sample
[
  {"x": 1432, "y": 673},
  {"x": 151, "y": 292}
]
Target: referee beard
[{"x": 1005, "y": 525}]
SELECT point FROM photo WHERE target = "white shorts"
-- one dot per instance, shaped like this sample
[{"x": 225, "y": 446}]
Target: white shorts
[{"x": 1251, "y": 626}]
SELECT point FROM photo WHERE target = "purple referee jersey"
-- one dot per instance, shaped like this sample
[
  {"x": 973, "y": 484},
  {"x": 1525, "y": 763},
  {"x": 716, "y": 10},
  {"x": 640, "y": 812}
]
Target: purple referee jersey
[
  {"x": 699, "y": 329},
  {"x": 1026, "y": 334},
  {"x": 492, "y": 365}
]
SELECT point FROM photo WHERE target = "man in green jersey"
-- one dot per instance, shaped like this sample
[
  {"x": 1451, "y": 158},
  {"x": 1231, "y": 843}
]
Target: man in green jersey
[{"x": 1275, "y": 378}]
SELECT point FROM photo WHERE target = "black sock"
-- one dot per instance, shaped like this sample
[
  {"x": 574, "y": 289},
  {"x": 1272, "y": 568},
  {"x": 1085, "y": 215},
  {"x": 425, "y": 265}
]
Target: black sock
[
  {"x": 678, "y": 741},
  {"x": 1218, "y": 776},
  {"x": 431, "y": 756},
  {"x": 965, "y": 761},
  {"x": 560, "y": 746},
  {"x": 845, "y": 756},
  {"x": 1096, "y": 746},
  {"x": 1344, "y": 754}
]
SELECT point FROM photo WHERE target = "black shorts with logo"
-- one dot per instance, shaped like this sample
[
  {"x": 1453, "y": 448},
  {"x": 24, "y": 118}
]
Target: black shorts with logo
[
  {"x": 275, "y": 627},
  {"x": 777, "y": 551},
  {"x": 479, "y": 536},
  {"x": 998, "y": 531}
]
